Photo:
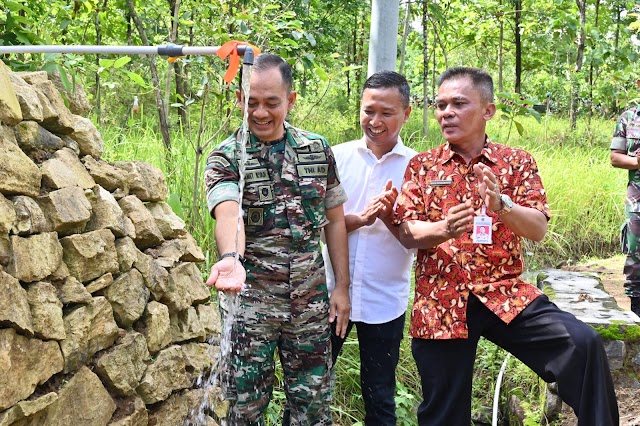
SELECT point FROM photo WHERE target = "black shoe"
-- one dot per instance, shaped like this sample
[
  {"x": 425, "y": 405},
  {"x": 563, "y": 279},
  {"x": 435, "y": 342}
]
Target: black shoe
[{"x": 635, "y": 305}]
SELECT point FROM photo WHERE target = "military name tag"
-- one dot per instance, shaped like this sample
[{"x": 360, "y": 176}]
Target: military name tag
[
  {"x": 441, "y": 182},
  {"x": 265, "y": 193},
  {"x": 252, "y": 162},
  {"x": 311, "y": 157},
  {"x": 254, "y": 216},
  {"x": 313, "y": 170},
  {"x": 218, "y": 161},
  {"x": 257, "y": 175}
]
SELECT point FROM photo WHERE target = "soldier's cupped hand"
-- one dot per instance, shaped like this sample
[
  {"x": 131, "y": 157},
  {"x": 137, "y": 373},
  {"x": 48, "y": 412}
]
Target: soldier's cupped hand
[{"x": 227, "y": 275}]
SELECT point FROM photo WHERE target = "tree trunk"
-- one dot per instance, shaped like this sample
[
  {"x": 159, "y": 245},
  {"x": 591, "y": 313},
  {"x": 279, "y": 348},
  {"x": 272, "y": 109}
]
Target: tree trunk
[
  {"x": 425, "y": 71},
  {"x": 405, "y": 34},
  {"x": 359, "y": 61},
  {"x": 174, "y": 7},
  {"x": 98, "y": 82},
  {"x": 518, "y": 43},
  {"x": 591, "y": 110},
  {"x": 573, "y": 111},
  {"x": 164, "y": 126},
  {"x": 500, "y": 48}
]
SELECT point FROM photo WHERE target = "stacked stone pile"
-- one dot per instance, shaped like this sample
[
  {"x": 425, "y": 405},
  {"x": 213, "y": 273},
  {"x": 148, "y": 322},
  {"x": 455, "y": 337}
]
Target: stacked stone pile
[{"x": 104, "y": 316}]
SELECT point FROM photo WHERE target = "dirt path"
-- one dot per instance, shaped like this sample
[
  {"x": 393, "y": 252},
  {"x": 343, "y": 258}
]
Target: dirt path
[{"x": 610, "y": 272}]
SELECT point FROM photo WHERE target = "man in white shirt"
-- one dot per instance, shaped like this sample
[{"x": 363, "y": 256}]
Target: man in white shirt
[{"x": 371, "y": 170}]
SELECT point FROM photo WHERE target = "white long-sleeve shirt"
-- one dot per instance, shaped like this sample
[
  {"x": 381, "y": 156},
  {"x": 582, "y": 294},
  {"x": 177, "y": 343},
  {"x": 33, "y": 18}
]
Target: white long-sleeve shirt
[{"x": 379, "y": 266}]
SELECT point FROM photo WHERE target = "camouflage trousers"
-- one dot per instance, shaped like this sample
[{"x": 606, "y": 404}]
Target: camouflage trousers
[
  {"x": 630, "y": 242},
  {"x": 292, "y": 317}
]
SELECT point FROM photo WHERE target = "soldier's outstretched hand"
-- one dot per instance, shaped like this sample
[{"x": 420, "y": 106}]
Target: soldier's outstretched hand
[{"x": 227, "y": 275}]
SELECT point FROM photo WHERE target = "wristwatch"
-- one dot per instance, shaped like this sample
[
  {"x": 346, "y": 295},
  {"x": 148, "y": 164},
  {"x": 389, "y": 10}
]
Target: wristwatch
[
  {"x": 507, "y": 205},
  {"x": 233, "y": 254}
]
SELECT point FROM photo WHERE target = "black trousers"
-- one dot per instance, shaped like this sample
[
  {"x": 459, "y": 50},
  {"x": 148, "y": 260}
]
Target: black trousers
[
  {"x": 553, "y": 343},
  {"x": 379, "y": 353}
]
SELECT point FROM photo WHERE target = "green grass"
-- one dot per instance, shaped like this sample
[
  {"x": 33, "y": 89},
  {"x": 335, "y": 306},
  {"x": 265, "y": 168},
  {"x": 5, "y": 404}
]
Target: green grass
[{"x": 585, "y": 194}]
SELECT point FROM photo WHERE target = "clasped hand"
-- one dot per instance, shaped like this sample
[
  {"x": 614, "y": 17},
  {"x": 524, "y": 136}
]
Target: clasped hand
[
  {"x": 459, "y": 219},
  {"x": 380, "y": 206}
]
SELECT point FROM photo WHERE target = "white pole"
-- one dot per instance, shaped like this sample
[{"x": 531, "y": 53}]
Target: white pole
[{"x": 383, "y": 36}]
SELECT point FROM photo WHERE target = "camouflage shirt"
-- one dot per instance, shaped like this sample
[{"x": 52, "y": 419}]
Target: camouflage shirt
[
  {"x": 626, "y": 137},
  {"x": 288, "y": 187}
]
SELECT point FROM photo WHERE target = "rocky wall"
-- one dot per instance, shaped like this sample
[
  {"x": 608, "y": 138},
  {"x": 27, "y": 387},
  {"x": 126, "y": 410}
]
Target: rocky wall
[{"x": 104, "y": 316}]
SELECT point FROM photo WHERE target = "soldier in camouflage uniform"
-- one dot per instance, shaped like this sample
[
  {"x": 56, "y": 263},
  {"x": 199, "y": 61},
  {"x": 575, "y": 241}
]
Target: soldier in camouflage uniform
[
  {"x": 292, "y": 192},
  {"x": 625, "y": 154}
]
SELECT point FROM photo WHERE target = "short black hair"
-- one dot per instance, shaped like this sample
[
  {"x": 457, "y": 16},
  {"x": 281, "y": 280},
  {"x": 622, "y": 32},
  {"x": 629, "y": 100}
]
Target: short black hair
[
  {"x": 479, "y": 77},
  {"x": 265, "y": 61},
  {"x": 387, "y": 80}
]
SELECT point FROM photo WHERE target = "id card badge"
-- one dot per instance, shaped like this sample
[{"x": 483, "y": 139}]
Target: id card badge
[{"x": 482, "y": 228}]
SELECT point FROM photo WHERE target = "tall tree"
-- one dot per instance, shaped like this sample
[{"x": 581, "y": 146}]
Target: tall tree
[{"x": 383, "y": 39}]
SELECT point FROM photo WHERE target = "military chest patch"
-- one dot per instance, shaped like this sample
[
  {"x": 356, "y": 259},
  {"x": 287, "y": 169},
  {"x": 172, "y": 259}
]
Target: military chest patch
[
  {"x": 265, "y": 193},
  {"x": 311, "y": 157},
  {"x": 302, "y": 149},
  {"x": 313, "y": 170},
  {"x": 218, "y": 161},
  {"x": 260, "y": 174},
  {"x": 255, "y": 216},
  {"x": 252, "y": 162}
]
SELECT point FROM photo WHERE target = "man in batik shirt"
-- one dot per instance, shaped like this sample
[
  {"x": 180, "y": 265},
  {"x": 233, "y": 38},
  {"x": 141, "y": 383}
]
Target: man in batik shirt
[
  {"x": 468, "y": 284},
  {"x": 625, "y": 150}
]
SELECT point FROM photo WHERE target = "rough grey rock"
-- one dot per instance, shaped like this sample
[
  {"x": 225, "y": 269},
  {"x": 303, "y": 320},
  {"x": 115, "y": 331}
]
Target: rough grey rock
[
  {"x": 14, "y": 304},
  {"x": 36, "y": 141},
  {"x": 30, "y": 218},
  {"x": 18, "y": 174},
  {"x": 145, "y": 181},
  {"x": 70, "y": 290},
  {"x": 210, "y": 319},
  {"x": 616, "y": 352},
  {"x": 89, "y": 329},
  {"x": 87, "y": 136},
  {"x": 185, "y": 325},
  {"x": 81, "y": 401},
  {"x": 46, "y": 311},
  {"x": 106, "y": 212},
  {"x": 179, "y": 408},
  {"x": 156, "y": 326},
  {"x": 99, "y": 283},
  {"x": 90, "y": 255},
  {"x": 127, "y": 253},
  {"x": 10, "y": 112},
  {"x": 198, "y": 358},
  {"x": 34, "y": 257},
  {"x": 185, "y": 288},
  {"x": 157, "y": 385},
  {"x": 33, "y": 77},
  {"x": 106, "y": 175},
  {"x": 169, "y": 223},
  {"x": 156, "y": 278},
  {"x": 121, "y": 367},
  {"x": 27, "y": 98},
  {"x": 138, "y": 415},
  {"x": 26, "y": 364},
  {"x": 67, "y": 209},
  {"x": 78, "y": 103},
  {"x": 32, "y": 411},
  {"x": 56, "y": 116},
  {"x": 64, "y": 169},
  {"x": 147, "y": 233},
  {"x": 128, "y": 297}
]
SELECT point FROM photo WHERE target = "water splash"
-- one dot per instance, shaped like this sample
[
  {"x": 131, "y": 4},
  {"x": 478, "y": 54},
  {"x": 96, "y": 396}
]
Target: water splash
[{"x": 211, "y": 381}]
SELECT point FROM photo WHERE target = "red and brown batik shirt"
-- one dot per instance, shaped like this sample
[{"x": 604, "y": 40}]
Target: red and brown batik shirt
[{"x": 437, "y": 180}]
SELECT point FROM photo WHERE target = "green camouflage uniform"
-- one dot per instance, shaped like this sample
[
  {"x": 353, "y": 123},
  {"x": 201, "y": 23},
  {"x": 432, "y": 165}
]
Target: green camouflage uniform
[
  {"x": 626, "y": 137},
  {"x": 284, "y": 303}
]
